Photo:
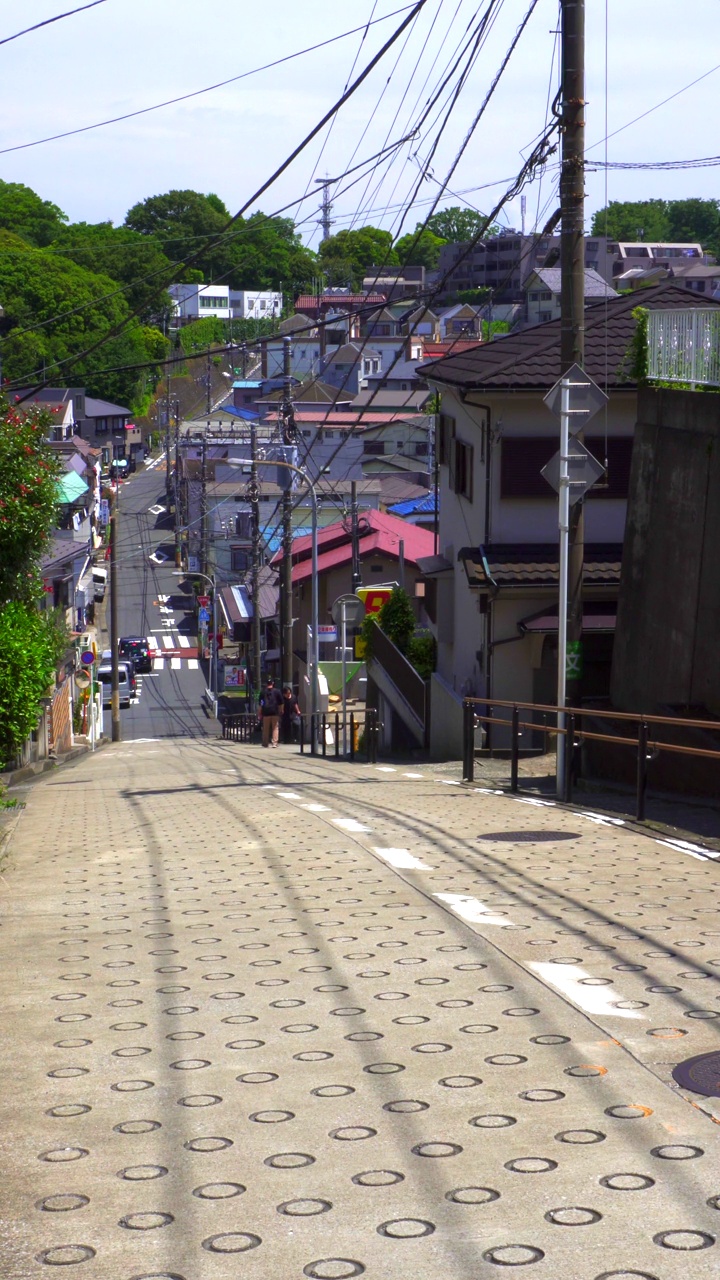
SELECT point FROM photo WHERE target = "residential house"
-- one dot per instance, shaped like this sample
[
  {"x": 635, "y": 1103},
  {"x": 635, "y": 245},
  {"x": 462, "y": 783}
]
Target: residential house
[
  {"x": 64, "y": 405},
  {"x": 110, "y": 427},
  {"x": 196, "y": 301},
  {"x": 491, "y": 590},
  {"x": 461, "y": 320},
  {"x": 395, "y": 283},
  {"x": 407, "y": 437},
  {"x": 255, "y": 304},
  {"x": 389, "y": 550},
  {"x": 542, "y": 293}
]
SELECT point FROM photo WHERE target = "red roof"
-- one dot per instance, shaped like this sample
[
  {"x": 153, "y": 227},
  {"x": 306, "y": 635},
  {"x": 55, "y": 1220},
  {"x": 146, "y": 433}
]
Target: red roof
[
  {"x": 309, "y": 302},
  {"x": 450, "y": 347},
  {"x": 351, "y": 418},
  {"x": 383, "y": 537}
]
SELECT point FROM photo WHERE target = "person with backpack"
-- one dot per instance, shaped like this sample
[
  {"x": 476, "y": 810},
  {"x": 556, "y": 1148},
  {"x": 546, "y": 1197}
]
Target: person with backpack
[
  {"x": 270, "y": 707},
  {"x": 289, "y": 715}
]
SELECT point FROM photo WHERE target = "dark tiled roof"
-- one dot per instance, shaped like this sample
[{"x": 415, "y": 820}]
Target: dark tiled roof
[
  {"x": 536, "y": 564},
  {"x": 530, "y": 360}
]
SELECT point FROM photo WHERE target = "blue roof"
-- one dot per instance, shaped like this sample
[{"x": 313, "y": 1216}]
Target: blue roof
[
  {"x": 248, "y": 414},
  {"x": 241, "y": 382},
  {"x": 274, "y": 541},
  {"x": 414, "y": 506}
]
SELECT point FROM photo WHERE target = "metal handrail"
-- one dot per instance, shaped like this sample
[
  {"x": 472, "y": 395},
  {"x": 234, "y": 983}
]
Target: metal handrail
[{"x": 645, "y": 747}]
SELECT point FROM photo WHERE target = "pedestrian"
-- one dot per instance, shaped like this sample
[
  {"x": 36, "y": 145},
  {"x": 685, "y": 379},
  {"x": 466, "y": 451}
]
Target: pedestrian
[
  {"x": 270, "y": 704},
  {"x": 289, "y": 715}
]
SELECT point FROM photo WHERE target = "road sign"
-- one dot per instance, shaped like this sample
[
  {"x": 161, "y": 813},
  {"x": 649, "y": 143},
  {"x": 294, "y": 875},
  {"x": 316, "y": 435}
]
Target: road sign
[
  {"x": 374, "y": 597},
  {"x": 586, "y": 398},
  {"x": 87, "y": 657},
  {"x": 354, "y": 611},
  {"x": 327, "y": 635},
  {"x": 583, "y": 470},
  {"x": 203, "y": 601},
  {"x": 82, "y": 680},
  {"x": 204, "y": 616}
]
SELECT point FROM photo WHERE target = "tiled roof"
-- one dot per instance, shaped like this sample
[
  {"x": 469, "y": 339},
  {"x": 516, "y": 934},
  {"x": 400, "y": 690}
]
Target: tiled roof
[
  {"x": 380, "y": 534},
  {"x": 536, "y": 564},
  {"x": 530, "y": 360},
  {"x": 308, "y": 301},
  {"x": 595, "y": 286}
]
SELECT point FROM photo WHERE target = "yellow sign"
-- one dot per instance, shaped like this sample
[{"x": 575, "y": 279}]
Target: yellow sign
[
  {"x": 360, "y": 648},
  {"x": 374, "y": 597}
]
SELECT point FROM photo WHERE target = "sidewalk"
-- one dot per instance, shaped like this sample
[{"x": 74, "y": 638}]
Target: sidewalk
[{"x": 347, "y": 1020}]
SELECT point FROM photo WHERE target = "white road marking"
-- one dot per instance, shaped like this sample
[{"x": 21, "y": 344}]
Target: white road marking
[
  {"x": 572, "y": 981},
  {"x": 544, "y": 804},
  {"x": 289, "y": 795},
  {"x": 316, "y": 808},
  {"x": 163, "y": 599},
  {"x": 401, "y": 858},
  {"x": 193, "y": 664},
  {"x": 152, "y": 642},
  {"x": 168, "y": 642},
  {"x": 157, "y": 510},
  {"x": 412, "y": 775},
  {"x": 183, "y": 642},
  {"x": 472, "y": 910},
  {"x": 487, "y": 791},
  {"x": 449, "y": 782},
  {"x": 164, "y": 608},
  {"x": 158, "y": 557},
  {"x": 350, "y": 824},
  {"x": 602, "y": 820},
  {"x": 694, "y": 850},
  {"x": 175, "y": 664},
  {"x": 386, "y": 768},
  {"x": 158, "y": 664},
  {"x": 131, "y": 742}
]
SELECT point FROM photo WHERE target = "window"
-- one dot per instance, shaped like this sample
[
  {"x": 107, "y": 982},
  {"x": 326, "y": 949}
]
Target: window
[
  {"x": 239, "y": 559},
  {"x": 523, "y": 457},
  {"x": 375, "y": 448},
  {"x": 446, "y": 435},
  {"x": 101, "y": 425},
  {"x": 421, "y": 449},
  {"x": 263, "y": 304},
  {"x": 545, "y": 315},
  {"x": 462, "y": 479},
  {"x": 211, "y": 301}
]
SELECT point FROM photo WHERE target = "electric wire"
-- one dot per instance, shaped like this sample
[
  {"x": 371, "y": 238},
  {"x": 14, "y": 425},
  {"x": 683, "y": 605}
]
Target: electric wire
[{"x": 47, "y": 21}]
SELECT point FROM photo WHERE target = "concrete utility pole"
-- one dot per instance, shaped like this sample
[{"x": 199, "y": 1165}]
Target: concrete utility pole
[
  {"x": 208, "y": 384},
  {"x": 254, "y": 495},
  {"x": 178, "y": 514},
  {"x": 204, "y": 521},
  {"x": 114, "y": 622},
  {"x": 355, "y": 536},
  {"x": 325, "y": 220},
  {"x": 572, "y": 289},
  {"x": 286, "y": 618}
]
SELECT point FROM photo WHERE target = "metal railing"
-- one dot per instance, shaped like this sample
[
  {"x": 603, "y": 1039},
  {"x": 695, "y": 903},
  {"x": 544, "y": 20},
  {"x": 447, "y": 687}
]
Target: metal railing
[
  {"x": 239, "y": 727},
  {"x": 323, "y": 734},
  {"x": 647, "y": 745},
  {"x": 684, "y": 346}
]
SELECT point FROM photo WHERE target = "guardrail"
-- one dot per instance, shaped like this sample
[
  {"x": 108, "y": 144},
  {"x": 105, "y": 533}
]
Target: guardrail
[
  {"x": 645, "y": 745},
  {"x": 321, "y": 734}
]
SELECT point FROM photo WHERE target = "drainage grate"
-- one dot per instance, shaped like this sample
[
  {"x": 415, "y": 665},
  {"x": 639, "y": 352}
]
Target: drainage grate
[{"x": 701, "y": 1074}]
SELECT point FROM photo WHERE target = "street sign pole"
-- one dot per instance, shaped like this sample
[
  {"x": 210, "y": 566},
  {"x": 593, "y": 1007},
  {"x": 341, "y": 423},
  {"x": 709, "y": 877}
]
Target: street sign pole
[
  {"x": 343, "y": 641},
  {"x": 564, "y": 529}
]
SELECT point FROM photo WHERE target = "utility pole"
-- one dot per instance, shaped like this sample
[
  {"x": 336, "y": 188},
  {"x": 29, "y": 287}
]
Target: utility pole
[
  {"x": 204, "y": 523},
  {"x": 572, "y": 289},
  {"x": 178, "y": 516},
  {"x": 286, "y": 618},
  {"x": 325, "y": 220},
  {"x": 114, "y": 622},
  {"x": 254, "y": 496},
  {"x": 355, "y": 536}
]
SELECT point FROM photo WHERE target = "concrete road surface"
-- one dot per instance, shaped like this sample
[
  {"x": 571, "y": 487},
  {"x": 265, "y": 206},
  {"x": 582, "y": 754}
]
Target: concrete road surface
[{"x": 269, "y": 1016}]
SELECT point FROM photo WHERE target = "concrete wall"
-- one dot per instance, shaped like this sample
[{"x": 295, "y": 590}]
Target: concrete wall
[{"x": 666, "y": 647}]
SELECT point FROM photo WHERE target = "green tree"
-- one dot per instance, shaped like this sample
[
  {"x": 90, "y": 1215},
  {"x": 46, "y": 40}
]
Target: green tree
[
  {"x": 397, "y": 619},
  {"x": 350, "y": 255},
  {"x": 695, "y": 220},
  {"x": 29, "y": 647},
  {"x": 420, "y": 248},
  {"x": 54, "y": 310},
  {"x": 632, "y": 220},
  {"x": 267, "y": 253},
  {"x": 183, "y": 223},
  {"x": 456, "y": 225},
  {"x": 123, "y": 255},
  {"x": 22, "y": 211}
]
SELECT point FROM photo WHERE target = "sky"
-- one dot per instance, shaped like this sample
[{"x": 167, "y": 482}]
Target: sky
[{"x": 123, "y": 55}]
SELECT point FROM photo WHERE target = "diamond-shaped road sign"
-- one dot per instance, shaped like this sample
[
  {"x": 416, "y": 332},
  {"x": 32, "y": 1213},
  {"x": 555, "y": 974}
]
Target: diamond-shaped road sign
[
  {"x": 583, "y": 470},
  {"x": 586, "y": 397}
]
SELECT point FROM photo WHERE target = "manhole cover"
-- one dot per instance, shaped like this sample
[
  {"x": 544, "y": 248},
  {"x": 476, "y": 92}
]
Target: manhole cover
[
  {"x": 529, "y": 837},
  {"x": 700, "y": 1074}
]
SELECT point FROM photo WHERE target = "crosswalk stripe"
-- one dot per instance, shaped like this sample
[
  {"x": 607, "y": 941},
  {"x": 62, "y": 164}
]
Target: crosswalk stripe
[
  {"x": 158, "y": 664},
  {"x": 168, "y": 642},
  {"x": 175, "y": 664},
  {"x": 184, "y": 642},
  {"x": 193, "y": 664},
  {"x": 152, "y": 642}
]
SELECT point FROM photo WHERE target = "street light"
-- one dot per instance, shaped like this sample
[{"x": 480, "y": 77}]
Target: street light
[
  {"x": 314, "y": 606},
  {"x": 180, "y": 573}
]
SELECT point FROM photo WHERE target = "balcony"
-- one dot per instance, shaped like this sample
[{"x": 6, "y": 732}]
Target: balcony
[{"x": 684, "y": 347}]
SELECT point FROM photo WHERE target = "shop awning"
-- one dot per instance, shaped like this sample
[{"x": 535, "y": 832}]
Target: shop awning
[{"x": 598, "y": 616}]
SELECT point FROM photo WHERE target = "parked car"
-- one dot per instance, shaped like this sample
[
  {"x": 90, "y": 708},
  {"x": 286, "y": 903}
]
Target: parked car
[
  {"x": 99, "y": 577},
  {"x": 136, "y": 649},
  {"x": 127, "y": 684}
]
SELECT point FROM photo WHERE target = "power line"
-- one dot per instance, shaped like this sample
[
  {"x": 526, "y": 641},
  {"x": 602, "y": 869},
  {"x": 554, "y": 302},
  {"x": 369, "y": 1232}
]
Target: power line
[
  {"x": 47, "y": 21},
  {"x": 169, "y": 102}
]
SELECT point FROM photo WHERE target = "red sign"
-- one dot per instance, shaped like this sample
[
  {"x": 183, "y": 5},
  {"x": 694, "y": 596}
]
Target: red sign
[
  {"x": 203, "y": 601},
  {"x": 374, "y": 597}
]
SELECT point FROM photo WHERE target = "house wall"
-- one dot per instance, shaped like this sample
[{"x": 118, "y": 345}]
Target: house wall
[
  {"x": 463, "y": 631},
  {"x": 375, "y": 569}
]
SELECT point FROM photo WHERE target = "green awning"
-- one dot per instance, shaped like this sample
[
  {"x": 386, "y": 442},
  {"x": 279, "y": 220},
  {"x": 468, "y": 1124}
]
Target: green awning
[{"x": 71, "y": 487}]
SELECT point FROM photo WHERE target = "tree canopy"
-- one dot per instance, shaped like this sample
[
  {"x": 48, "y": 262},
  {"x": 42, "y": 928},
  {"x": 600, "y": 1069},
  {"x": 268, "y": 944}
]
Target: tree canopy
[
  {"x": 24, "y": 212},
  {"x": 685, "y": 221},
  {"x": 420, "y": 248},
  {"x": 54, "y": 310},
  {"x": 123, "y": 255},
  {"x": 457, "y": 225},
  {"x": 348, "y": 257}
]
